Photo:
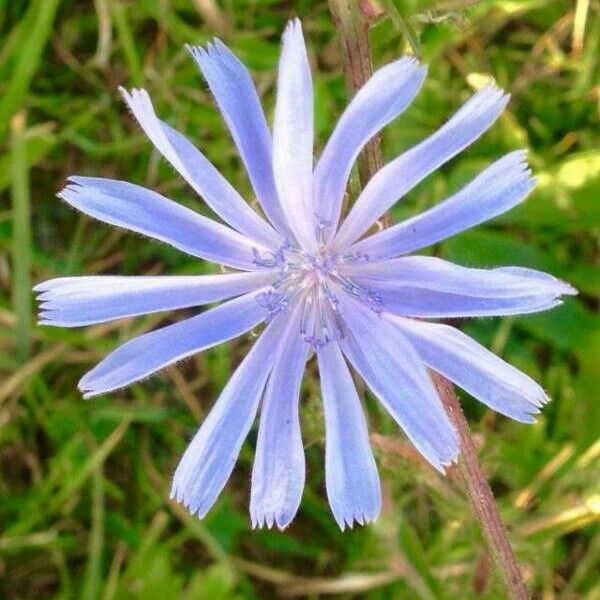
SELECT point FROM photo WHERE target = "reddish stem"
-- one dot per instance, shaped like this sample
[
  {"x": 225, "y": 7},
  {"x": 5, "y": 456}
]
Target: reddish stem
[{"x": 353, "y": 19}]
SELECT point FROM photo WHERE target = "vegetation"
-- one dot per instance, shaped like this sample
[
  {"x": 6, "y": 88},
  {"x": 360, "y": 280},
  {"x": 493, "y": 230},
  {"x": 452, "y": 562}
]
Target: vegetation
[{"x": 84, "y": 484}]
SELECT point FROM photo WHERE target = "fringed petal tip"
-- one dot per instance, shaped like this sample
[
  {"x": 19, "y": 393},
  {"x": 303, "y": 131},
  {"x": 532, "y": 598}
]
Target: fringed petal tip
[
  {"x": 293, "y": 27},
  {"x": 69, "y": 192},
  {"x": 545, "y": 282},
  {"x": 47, "y": 286},
  {"x": 87, "y": 389},
  {"x": 567, "y": 289},
  {"x": 75, "y": 187},
  {"x": 445, "y": 455},
  {"x": 442, "y": 465},
  {"x": 52, "y": 310},
  {"x": 196, "y": 508},
  {"x": 349, "y": 520},
  {"x": 537, "y": 399},
  {"x": 87, "y": 385},
  {"x": 46, "y": 294},
  {"x": 517, "y": 167},
  {"x": 45, "y": 317},
  {"x": 491, "y": 93},
  {"x": 563, "y": 288},
  {"x": 214, "y": 50},
  {"x": 138, "y": 100},
  {"x": 488, "y": 103},
  {"x": 268, "y": 519},
  {"x": 214, "y": 56},
  {"x": 92, "y": 385}
]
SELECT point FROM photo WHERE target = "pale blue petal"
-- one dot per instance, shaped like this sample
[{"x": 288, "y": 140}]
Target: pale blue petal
[
  {"x": 194, "y": 167},
  {"x": 475, "y": 369},
  {"x": 396, "y": 375},
  {"x": 425, "y": 286},
  {"x": 432, "y": 273},
  {"x": 423, "y": 303},
  {"x": 387, "y": 93},
  {"x": 153, "y": 351},
  {"x": 402, "y": 174},
  {"x": 209, "y": 459},
  {"x": 293, "y": 136},
  {"x": 279, "y": 466},
  {"x": 499, "y": 188},
  {"x": 236, "y": 96},
  {"x": 352, "y": 481},
  {"x": 76, "y": 301},
  {"x": 144, "y": 211}
]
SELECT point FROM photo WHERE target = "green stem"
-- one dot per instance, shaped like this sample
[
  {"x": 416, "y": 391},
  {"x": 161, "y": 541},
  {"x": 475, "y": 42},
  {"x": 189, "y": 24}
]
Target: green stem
[{"x": 353, "y": 19}]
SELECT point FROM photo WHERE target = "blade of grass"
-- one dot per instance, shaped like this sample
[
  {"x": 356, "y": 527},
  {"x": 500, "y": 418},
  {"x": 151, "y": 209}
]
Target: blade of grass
[
  {"x": 28, "y": 59},
  {"x": 93, "y": 572},
  {"x": 21, "y": 249},
  {"x": 134, "y": 66},
  {"x": 73, "y": 484}
]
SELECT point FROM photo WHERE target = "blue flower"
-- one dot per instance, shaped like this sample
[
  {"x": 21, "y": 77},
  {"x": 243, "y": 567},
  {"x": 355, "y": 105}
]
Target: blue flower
[{"x": 321, "y": 285}]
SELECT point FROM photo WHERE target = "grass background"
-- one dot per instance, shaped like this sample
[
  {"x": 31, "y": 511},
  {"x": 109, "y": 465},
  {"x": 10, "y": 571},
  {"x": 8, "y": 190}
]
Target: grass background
[{"x": 84, "y": 509}]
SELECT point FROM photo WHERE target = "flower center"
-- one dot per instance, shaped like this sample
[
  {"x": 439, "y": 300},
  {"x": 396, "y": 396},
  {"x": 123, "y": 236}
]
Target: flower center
[{"x": 315, "y": 280}]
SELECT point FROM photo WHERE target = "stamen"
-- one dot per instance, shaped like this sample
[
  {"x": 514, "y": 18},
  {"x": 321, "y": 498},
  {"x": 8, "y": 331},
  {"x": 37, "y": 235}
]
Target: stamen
[
  {"x": 323, "y": 320},
  {"x": 273, "y": 303},
  {"x": 329, "y": 295},
  {"x": 353, "y": 257},
  {"x": 286, "y": 280},
  {"x": 306, "y": 314},
  {"x": 269, "y": 260},
  {"x": 313, "y": 279},
  {"x": 322, "y": 227},
  {"x": 340, "y": 326},
  {"x": 368, "y": 297}
]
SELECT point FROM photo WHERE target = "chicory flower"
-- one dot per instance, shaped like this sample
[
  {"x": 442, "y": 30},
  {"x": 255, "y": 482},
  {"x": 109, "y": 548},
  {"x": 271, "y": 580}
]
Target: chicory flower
[{"x": 321, "y": 283}]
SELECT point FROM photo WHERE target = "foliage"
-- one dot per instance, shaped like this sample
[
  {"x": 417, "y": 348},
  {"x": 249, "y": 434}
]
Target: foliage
[{"x": 84, "y": 485}]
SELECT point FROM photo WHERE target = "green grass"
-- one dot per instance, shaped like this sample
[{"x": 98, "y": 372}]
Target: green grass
[{"x": 84, "y": 510}]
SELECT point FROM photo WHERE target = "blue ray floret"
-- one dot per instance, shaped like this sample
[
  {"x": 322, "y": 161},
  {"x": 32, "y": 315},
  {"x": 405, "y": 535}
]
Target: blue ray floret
[{"x": 316, "y": 279}]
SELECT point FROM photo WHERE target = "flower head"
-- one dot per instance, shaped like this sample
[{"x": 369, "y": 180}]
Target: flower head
[{"x": 320, "y": 283}]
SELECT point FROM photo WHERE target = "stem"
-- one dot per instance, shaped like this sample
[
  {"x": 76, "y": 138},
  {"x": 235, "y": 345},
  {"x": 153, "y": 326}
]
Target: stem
[
  {"x": 353, "y": 19},
  {"x": 480, "y": 493}
]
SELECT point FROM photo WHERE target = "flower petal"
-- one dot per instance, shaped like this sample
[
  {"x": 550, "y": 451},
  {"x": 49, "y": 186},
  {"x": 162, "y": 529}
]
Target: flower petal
[
  {"x": 209, "y": 459},
  {"x": 76, "y": 301},
  {"x": 432, "y": 304},
  {"x": 293, "y": 136},
  {"x": 499, "y": 188},
  {"x": 423, "y": 303},
  {"x": 387, "y": 93},
  {"x": 144, "y": 211},
  {"x": 425, "y": 286},
  {"x": 236, "y": 96},
  {"x": 279, "y": 466},
  {"x": 152, "y": 351},
  {"x": 396, "y": 375},
  {"x": 478, "y": 371},
  {"x": 351, "y": 476},
  {"x": 197, "y": 170},
  {"x": 432, "y": 273},
  {"x": 402, "y": 174}
]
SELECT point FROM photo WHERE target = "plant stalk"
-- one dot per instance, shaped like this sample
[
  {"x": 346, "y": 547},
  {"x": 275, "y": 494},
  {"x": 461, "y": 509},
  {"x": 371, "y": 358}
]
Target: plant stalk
[{"x": 353, "y": 19}]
